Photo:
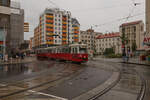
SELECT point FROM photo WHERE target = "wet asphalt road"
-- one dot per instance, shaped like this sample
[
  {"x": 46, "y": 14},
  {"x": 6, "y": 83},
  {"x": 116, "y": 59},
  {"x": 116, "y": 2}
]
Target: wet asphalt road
[
  {"x": 93, "y": 74},
  {"x": 87, "y": 80},
  {"x": 128, "y": 87},
  {"x": 18, "y": 72}
]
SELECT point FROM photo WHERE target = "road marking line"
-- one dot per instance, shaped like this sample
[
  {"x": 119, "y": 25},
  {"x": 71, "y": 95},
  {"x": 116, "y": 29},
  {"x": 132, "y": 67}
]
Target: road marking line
[
  {"x": 3, "y": 84},
  {"x": 48, "y": 95}
]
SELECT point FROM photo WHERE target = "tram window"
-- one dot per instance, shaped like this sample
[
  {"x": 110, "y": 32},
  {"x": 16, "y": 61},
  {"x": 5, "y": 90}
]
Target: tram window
[
  {"x": 73, "y": 50},
  {"x": 83, "y": 50},
  {"x": 69, "y": 50},
  {"x": 63, "y": 50},
  {"x": 55, "y": 50},
  {"x": 76, "y": 50}
]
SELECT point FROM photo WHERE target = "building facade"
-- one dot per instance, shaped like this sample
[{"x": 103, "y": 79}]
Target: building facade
[
  {"x": 37, "y": 37},
  {"x": 17, "y": 29},
  {"x": 11, "y": 21},
  {"x": 89, "y": 37},
  {"x": 134, "y": 34},
  {"x": 5, "y": 3},
  {"x": 56, "y": 27},
  {"x": 148, "y": 17},
  {"x": 75, "y": 31},
  {"x": 110, "y": 40},
  {"x": 31, "y": 44}
]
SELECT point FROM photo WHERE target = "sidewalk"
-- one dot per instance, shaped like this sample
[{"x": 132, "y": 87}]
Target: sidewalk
[
  {"x": 119, "y": 60},
  {"x": 18, "y": 61},
  {"x": 138, "y": 61}
]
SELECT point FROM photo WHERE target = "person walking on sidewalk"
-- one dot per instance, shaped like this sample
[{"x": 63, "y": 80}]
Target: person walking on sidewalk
[{"x": 124, "y": 57}]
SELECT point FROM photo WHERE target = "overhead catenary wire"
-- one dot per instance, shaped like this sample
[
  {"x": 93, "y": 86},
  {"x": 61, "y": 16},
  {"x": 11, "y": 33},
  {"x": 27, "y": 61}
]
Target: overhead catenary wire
[
  {"x": 53, "y": 3},
  {"x": 124, "y": 18}
]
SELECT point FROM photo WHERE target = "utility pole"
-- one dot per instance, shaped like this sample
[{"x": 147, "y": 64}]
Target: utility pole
[{"x": 92, "y": 48}]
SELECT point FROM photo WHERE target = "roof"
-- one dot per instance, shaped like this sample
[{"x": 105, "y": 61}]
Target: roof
[
  {"x": 75, "y": 21},
  {"x": 110, "y": 35},
  {"x": 131, "y": 23}
]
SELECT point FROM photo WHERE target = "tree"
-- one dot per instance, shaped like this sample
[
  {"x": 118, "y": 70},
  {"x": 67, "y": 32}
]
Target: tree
[
  {"x": 109, "y": 51},
  {"x": 134, "y": 46}
]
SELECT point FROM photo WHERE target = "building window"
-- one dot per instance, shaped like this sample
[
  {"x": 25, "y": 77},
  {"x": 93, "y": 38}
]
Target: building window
[{"x": 134, "y": 28}]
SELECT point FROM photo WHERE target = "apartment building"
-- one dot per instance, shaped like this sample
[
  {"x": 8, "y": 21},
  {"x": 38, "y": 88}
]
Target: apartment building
[
  {"x": 89, "y": 37},
  {"x": 148, "y": 17},
  {"x": 75, "y": 31},
  {"x": 37, "y": 37},
  {"x": 56, "y": 27},
  {"x": 134, "y": 34},
  {"x": 110, "y": 40}
]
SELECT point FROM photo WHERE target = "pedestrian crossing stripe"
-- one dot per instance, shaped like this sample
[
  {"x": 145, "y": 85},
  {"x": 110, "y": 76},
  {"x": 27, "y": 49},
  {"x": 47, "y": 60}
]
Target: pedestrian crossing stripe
[{"x": 49, "y": 95}]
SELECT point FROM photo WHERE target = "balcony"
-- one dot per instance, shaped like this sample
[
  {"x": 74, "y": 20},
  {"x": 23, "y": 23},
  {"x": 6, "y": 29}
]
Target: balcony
[
  {"x": 49, "y": 16},
  {"x": 64, "y": 39},
  {"x": 64, "y": 27},
  {"x": 49, "y": 21},
  {"x": 49, "y": 38},
  {"x": 51, "y": 30},
  {"x": 76, "y": 32},
  {"x": 50, "y": 34},
  {"x": 64, "y": 31},
  {"x": 65, "y": 35},
  {"x": 50, "y": 25},
  {"x": 64, "y": 23},
  {"x": 76, "y": 28},
  {"x": 76, "y": 40},
  {"x": 76, "y": 36},
  {"x": 64, "y": 19}
]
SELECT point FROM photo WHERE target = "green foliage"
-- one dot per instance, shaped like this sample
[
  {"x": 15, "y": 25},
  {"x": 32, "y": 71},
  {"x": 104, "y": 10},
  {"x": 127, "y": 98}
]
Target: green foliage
[
  {"x": 124, "y": 38},
  {"x": 114, "y": 56},
  {"x": 134, "y": 46},
  {"x": 109, "y": 51}
]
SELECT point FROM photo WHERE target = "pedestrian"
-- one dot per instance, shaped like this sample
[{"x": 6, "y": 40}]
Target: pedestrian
[
  {"x": 6, "y": 57},
  {"x": 128, "y": 56},
  {"x": 124, "y": 57}
]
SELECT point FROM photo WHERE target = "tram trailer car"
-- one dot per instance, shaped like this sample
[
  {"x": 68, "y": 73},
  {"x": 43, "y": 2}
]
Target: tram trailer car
[{"x": 75, "y": 53}]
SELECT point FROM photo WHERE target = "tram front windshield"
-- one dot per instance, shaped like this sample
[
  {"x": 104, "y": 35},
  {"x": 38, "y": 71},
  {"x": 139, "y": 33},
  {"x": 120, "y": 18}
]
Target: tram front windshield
[{"x": 83, "y": 50}]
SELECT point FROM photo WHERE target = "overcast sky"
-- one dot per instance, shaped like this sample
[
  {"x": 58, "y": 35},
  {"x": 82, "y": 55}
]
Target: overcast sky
[{"x": 104, "y": 13}]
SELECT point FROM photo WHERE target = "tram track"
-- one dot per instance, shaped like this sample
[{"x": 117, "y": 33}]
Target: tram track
[
  {"x": 142, "y": 91},
  {"x": 143, "y": 88},
  {"x": 65, "y": 75}
]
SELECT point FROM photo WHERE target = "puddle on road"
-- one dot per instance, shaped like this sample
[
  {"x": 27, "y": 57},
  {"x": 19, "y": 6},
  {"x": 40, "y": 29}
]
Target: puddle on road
[{"x": 24, "y": 69}]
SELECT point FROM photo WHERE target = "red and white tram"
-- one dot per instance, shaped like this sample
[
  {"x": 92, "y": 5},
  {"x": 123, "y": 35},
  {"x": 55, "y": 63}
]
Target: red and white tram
[{"x": 75, "y": 53}]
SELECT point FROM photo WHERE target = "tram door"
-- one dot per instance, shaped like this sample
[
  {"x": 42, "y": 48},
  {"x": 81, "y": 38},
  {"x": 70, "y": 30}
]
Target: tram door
[{"x": 74, "y": 50}]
